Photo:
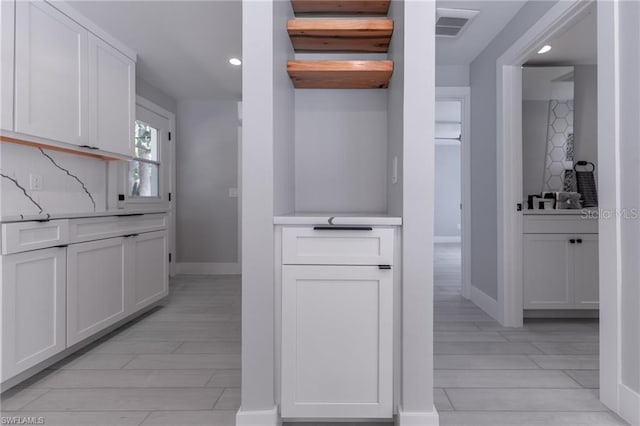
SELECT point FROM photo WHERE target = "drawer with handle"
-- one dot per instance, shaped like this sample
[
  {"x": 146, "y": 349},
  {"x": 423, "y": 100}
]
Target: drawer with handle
[
  {"x": 337, "y": 245},
  {"x": 25, "y": 236}
]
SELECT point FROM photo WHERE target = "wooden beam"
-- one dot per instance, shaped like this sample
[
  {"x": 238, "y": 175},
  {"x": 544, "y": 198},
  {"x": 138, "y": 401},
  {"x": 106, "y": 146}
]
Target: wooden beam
[
  {"x": 340, "y": 35},
  {"x": 340, "y": 74},
  {"x": 57, "y": 148},
  {"x": 347, "y": 7}
]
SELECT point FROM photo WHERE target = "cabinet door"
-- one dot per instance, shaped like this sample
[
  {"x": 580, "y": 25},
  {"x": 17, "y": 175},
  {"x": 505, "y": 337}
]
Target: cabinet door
[
  {"x": 33, "y": 308},
  {"x": 585, "y": 273},
  {"x": 7, "y": 27},
  {"x": 337, "y": 342},
  {"x": 112, "y": 98},
  {"x": 149, "y": 269},
  {"x": 95, "y": 287},
  {"x": 547, "y": 271},
  {"x": 51, "y": 84}
]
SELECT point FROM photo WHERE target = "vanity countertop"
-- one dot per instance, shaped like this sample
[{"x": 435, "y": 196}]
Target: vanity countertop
[
  {"x": 54, "y": 216},
  {"x": 590, "y": 213},
  {"x": 357, "y": 219}
]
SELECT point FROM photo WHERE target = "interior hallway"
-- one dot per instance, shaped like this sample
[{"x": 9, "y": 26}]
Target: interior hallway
[{"x": 543, "y": 374}]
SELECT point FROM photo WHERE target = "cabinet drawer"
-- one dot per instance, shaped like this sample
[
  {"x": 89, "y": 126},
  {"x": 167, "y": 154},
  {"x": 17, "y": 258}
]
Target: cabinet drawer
[
  {"x": 309, "y": 246},
  {"x": 542, "y": 224},
  {"x": 25, "y": 236},
  {"x": 81, "y": 230}
]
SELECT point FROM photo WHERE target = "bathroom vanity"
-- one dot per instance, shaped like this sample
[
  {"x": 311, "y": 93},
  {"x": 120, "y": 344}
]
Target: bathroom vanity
[{"x": 560, "y": 250}]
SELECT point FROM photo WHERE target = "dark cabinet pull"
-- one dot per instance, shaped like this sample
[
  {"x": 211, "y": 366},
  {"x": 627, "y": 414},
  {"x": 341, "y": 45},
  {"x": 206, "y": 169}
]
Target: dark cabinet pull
[
  {"x": 131, "y": 214},
  {"x": 579, "y": 240},
  {"x": 572, "y": 241},
  {"x": 130, "y": 235},
  {"x": 342, "y": 228},
  {"x": 384, "y": 266},
  {"x": 62, "y": 246}
]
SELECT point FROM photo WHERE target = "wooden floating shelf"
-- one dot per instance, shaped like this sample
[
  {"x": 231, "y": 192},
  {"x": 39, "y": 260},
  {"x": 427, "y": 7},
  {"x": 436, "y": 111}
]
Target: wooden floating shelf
[
  {"x": 341, "y": 7},
  {"x": 340, "y": 74},
  {"x": 340, "y": 35}
]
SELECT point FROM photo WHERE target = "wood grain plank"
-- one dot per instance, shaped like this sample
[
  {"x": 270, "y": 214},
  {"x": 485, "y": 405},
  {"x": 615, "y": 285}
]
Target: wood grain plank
[
  {"x": 57, "y": 148},
  {"x": 340, "y": 35},
  {"x": 347, "y": 7},
  {"x": 340, "y": 74}
]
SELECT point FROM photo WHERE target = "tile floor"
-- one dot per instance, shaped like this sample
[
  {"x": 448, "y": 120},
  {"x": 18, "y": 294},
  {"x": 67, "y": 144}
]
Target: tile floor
[
  {"x": 179, "y": 366},
  {"x": 543, "y": 374}
]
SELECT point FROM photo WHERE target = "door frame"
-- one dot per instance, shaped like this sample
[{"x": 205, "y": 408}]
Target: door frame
[
  {"x": 463, "y": 95},
  {"x": 509, "y": 178}
]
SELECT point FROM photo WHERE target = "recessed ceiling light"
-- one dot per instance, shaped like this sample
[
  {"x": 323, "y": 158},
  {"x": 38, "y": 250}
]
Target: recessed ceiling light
[
  {"x": 544, "y": 49},
  {"x": 235, "y": 61}
]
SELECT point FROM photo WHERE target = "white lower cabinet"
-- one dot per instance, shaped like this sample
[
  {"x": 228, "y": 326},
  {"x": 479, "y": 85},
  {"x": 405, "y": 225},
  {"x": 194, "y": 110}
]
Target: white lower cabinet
[
  {"x": 33, "y": 308},
  {"x": 96, "y": 287},
  {"x": 149, "y": 268},
  {"x": 560, "y": 271},
  {"x": 337, "y": 349}
]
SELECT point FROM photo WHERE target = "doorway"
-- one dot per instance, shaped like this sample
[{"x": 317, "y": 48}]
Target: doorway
[{"x": 452, "y": 218}]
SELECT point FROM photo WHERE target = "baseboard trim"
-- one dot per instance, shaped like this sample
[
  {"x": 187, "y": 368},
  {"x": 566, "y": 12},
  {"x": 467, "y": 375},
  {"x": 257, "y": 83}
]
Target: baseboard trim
[
  {"x": 258, "y": 417},
  {"x": 208, "y": 268},
  {"x": 417, "y": 418},
  {"x": 486, "y": 303},
  {"x": 446, "y": 239},
  {"x": 629, "y": 404}
]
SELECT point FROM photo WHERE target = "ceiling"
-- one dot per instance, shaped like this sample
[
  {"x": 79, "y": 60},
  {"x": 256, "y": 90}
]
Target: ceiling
[
  {"x": 183, "y": 46},
  {"x": 493, "y": 17},
  {"x": 575, "y": 46}
]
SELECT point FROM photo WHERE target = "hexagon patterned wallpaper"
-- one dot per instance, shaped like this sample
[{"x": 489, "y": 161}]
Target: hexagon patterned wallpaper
[{"x": 559, "y": 144}]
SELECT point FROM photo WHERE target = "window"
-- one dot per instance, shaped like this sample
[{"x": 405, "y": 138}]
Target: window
[{"x": 144, "y": 169}]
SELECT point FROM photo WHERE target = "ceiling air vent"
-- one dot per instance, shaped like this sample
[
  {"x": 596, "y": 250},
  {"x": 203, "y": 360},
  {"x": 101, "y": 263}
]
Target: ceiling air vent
[{"x": 451, "y": 22}]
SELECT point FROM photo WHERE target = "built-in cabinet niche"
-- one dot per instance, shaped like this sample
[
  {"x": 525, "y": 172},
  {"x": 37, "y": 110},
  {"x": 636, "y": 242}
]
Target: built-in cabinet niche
[{"x": 340, "y": 150}]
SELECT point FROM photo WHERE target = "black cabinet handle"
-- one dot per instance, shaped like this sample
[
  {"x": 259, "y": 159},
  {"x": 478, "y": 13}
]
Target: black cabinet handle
[
  {"x": 131, "y": 214},
  {"x": 130, "y": 235},
  {"x": 579, "y": 240},
  {"x": 62, "y": 246},
  {"x": 342, "y": 228},
  {"x": 384, "y": 266},
  {"x": 572, "y": 241}
]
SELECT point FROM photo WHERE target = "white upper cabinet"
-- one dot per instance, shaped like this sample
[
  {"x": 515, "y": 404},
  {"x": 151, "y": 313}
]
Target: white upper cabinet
[
  {"x": 112, "y": 94},
  {"x": 51, "y": 74},
  {"x": 71, "y": 85},
  {"x": 7, "y": 28}
]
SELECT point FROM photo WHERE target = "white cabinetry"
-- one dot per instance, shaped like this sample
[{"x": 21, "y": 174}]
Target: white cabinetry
[
  {"x": 33, "y": 308},
  {"x": 112, "y": 97},
  {"x": 66, "y": 84},
  {"x": 149, "y": 268},
  {"x": 51, "y": 74},
  {"x": 7, "y": 37},
  {"x": 560, "y": 269},
  {"x": 337, "y": 323},
  {"x": 95, "y": 287}
]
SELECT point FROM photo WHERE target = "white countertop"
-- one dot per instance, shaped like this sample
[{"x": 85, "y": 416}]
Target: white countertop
[
  {"x": 53, "y": 216},
  {"x": 357, "y": 219}
]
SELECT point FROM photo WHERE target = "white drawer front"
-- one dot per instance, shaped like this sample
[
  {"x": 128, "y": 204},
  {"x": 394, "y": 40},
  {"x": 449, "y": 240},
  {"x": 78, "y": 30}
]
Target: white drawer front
[
  {"x": 24, "y": 236},
  {"x": 307, "y": 246},
  {"x": 81, "y": 230},
  {"x": 541, "y": 224}
]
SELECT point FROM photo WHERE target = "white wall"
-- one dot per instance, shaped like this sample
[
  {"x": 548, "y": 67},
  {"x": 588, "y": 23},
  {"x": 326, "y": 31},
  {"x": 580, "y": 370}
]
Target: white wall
[
  {"x": 341, "y": 150},
  {"x": 60, "y": 192},
  {"x": 206, "y": 167},
  {"x": 586, "y": 113},
  {"x": 155, "y": 95},
  {"x": 447, "y": 221},
  {"x": 452, "y": 75},
  {"x": 482, "y": 75}
]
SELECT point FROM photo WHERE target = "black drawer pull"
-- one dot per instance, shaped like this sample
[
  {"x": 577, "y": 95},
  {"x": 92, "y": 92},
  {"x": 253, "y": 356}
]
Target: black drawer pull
[
  {"x": 130, "y": 235},
  {"x": 579, "y": 240},
  {"x": 62, "y": 246},
  {"x": 342, "y": 228},
  {"x": 572, "y": 241},
  {"x": 131, "y": 214},
  {"x": 384, "y": 266}
]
